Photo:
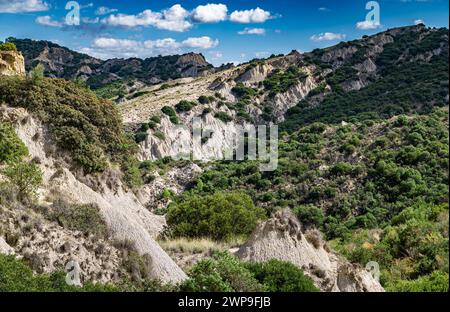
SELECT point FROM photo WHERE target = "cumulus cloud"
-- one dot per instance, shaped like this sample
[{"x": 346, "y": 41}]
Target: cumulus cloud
[
  {"x": 22, "y": 6},
  {"x": 48, "y": 21},
  {"x": 327, "y": 36},
  {"x": 177, "y": 18},
  {"x": 173, "y": 19},
  {"x": 252, "y": 31},
  {"x": 200, "y": 43},
  {"x": 368, "y": 25},
  {"x": 106, "y": 47},
  {"x": 257, "y": 15},
  {"x": 210, "y": 13},
  {"x": 105, "y": 10}
]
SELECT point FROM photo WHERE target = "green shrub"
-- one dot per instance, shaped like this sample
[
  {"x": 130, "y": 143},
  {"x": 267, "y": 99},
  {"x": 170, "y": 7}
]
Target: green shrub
[
  {"x": 281, "y": 276},
  {"x": 156, "y": 119},
  {"x": 26, "y": 177},
  {"x": 224, "y": 117},
  {"x": 160, "y": 135},
  {"x": 206, "y": 99},
  {"x": 8, "y": 46},
  {"x": 184, "y": 106},
  {"x": 37, "y": 74},
  {"x": 242, "y": 91},
  {"x": 84, "y": 218},
  {"x": 12, "y": 148},
  {"x": 435, "y": 282},
  {"x": 222, "y": 273},
  {"x": 16, "y": 276},
  {"x": 140, "y": 136},
  {"x": 174, "y": 120},
  {"x": 169, "y": 111},
  {"x": 79, "y": 122},
  {"x": 222, "y": 215},
  {"x": 310, "y": 214}
]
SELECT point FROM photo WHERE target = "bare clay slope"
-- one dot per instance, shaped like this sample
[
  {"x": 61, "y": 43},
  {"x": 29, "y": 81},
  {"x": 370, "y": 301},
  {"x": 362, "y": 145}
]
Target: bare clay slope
[{"x": 125, "y": 216}]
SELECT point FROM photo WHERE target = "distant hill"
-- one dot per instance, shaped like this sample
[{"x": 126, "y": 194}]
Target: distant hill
[{"x": 62, "y": 62}]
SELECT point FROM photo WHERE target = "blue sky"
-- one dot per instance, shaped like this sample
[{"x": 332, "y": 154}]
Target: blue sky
[{"x": 224, "y": 31}]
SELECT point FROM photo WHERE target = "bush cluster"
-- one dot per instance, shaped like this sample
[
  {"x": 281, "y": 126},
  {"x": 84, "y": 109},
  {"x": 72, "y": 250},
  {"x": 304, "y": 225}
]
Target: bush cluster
[{"x": 88, "y": 127}]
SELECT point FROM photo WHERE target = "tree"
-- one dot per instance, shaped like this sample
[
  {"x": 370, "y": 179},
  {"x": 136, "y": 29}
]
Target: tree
[
  {"x": 37, "y": 74},
  {"x": 281, "y": 276},
  {"x": 12, "y": 148},
  {"x": 8, "y": 46},
  {"x": 218, "y": 216},
  {"x": 27, "y": 177}
]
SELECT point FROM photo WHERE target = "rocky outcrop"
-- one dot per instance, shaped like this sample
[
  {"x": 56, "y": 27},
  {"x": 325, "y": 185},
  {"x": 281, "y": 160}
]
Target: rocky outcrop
[
  {"x": 126, "y": 217},
  {"x": 284, "y": 101},
  {"x": 11, "y": 63},
  {"x": 48, "y": 247},
  {"x": 177, "y": 180},
  {"x": 255, "y": 75},
  {"x": 283, "y": 237},
  {"x": 178, "y": 141}
]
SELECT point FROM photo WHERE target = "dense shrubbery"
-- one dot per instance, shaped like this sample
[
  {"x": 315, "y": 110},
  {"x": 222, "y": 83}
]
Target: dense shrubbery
[
  {"x": 350, "y": 177},
  {"x": 225, "y": 273},
  {"x": 218, "y": 216},
  {"x": 411, "y": 248},
  {"x": 90, "y": 128},
  {"x": 12, "y": 148},
  {"x": 403, "y": 86},
  {"x": 279, "y": 276},
  {"x": 16, "y": 276},
  {"x": 112, "y": 90}
]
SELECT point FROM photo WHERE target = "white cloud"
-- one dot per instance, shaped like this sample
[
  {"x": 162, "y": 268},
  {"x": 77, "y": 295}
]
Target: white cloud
[
  {"x": 104, "y": 10},
  {"x": 200, "y": 43},
  {"x": 250, "y": 16},
  {"x": 210, "y": 13},
  {"x": 327, "y": 36},
  {"x": 105, "y": 48},
  {"x": 368, "y": 25},
  {"x": 21, "y": 6},
  {"x": 48, "y": 21},
  {"x": 173, "y": 19},
  {"x": 419, "y": 21},
  {"x": 324, "y": 9},
  {"x": 252, "y": 31}
]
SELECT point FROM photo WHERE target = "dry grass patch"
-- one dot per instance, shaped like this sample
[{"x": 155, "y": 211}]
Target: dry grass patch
[{"x": 196, "y": 246}]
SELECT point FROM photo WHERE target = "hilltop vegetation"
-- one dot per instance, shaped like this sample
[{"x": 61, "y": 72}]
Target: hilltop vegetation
[
  {"x": 406, "y": 83},
  {"x": 110, "y": 77},
  {"x": 90, "y": 128}
]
